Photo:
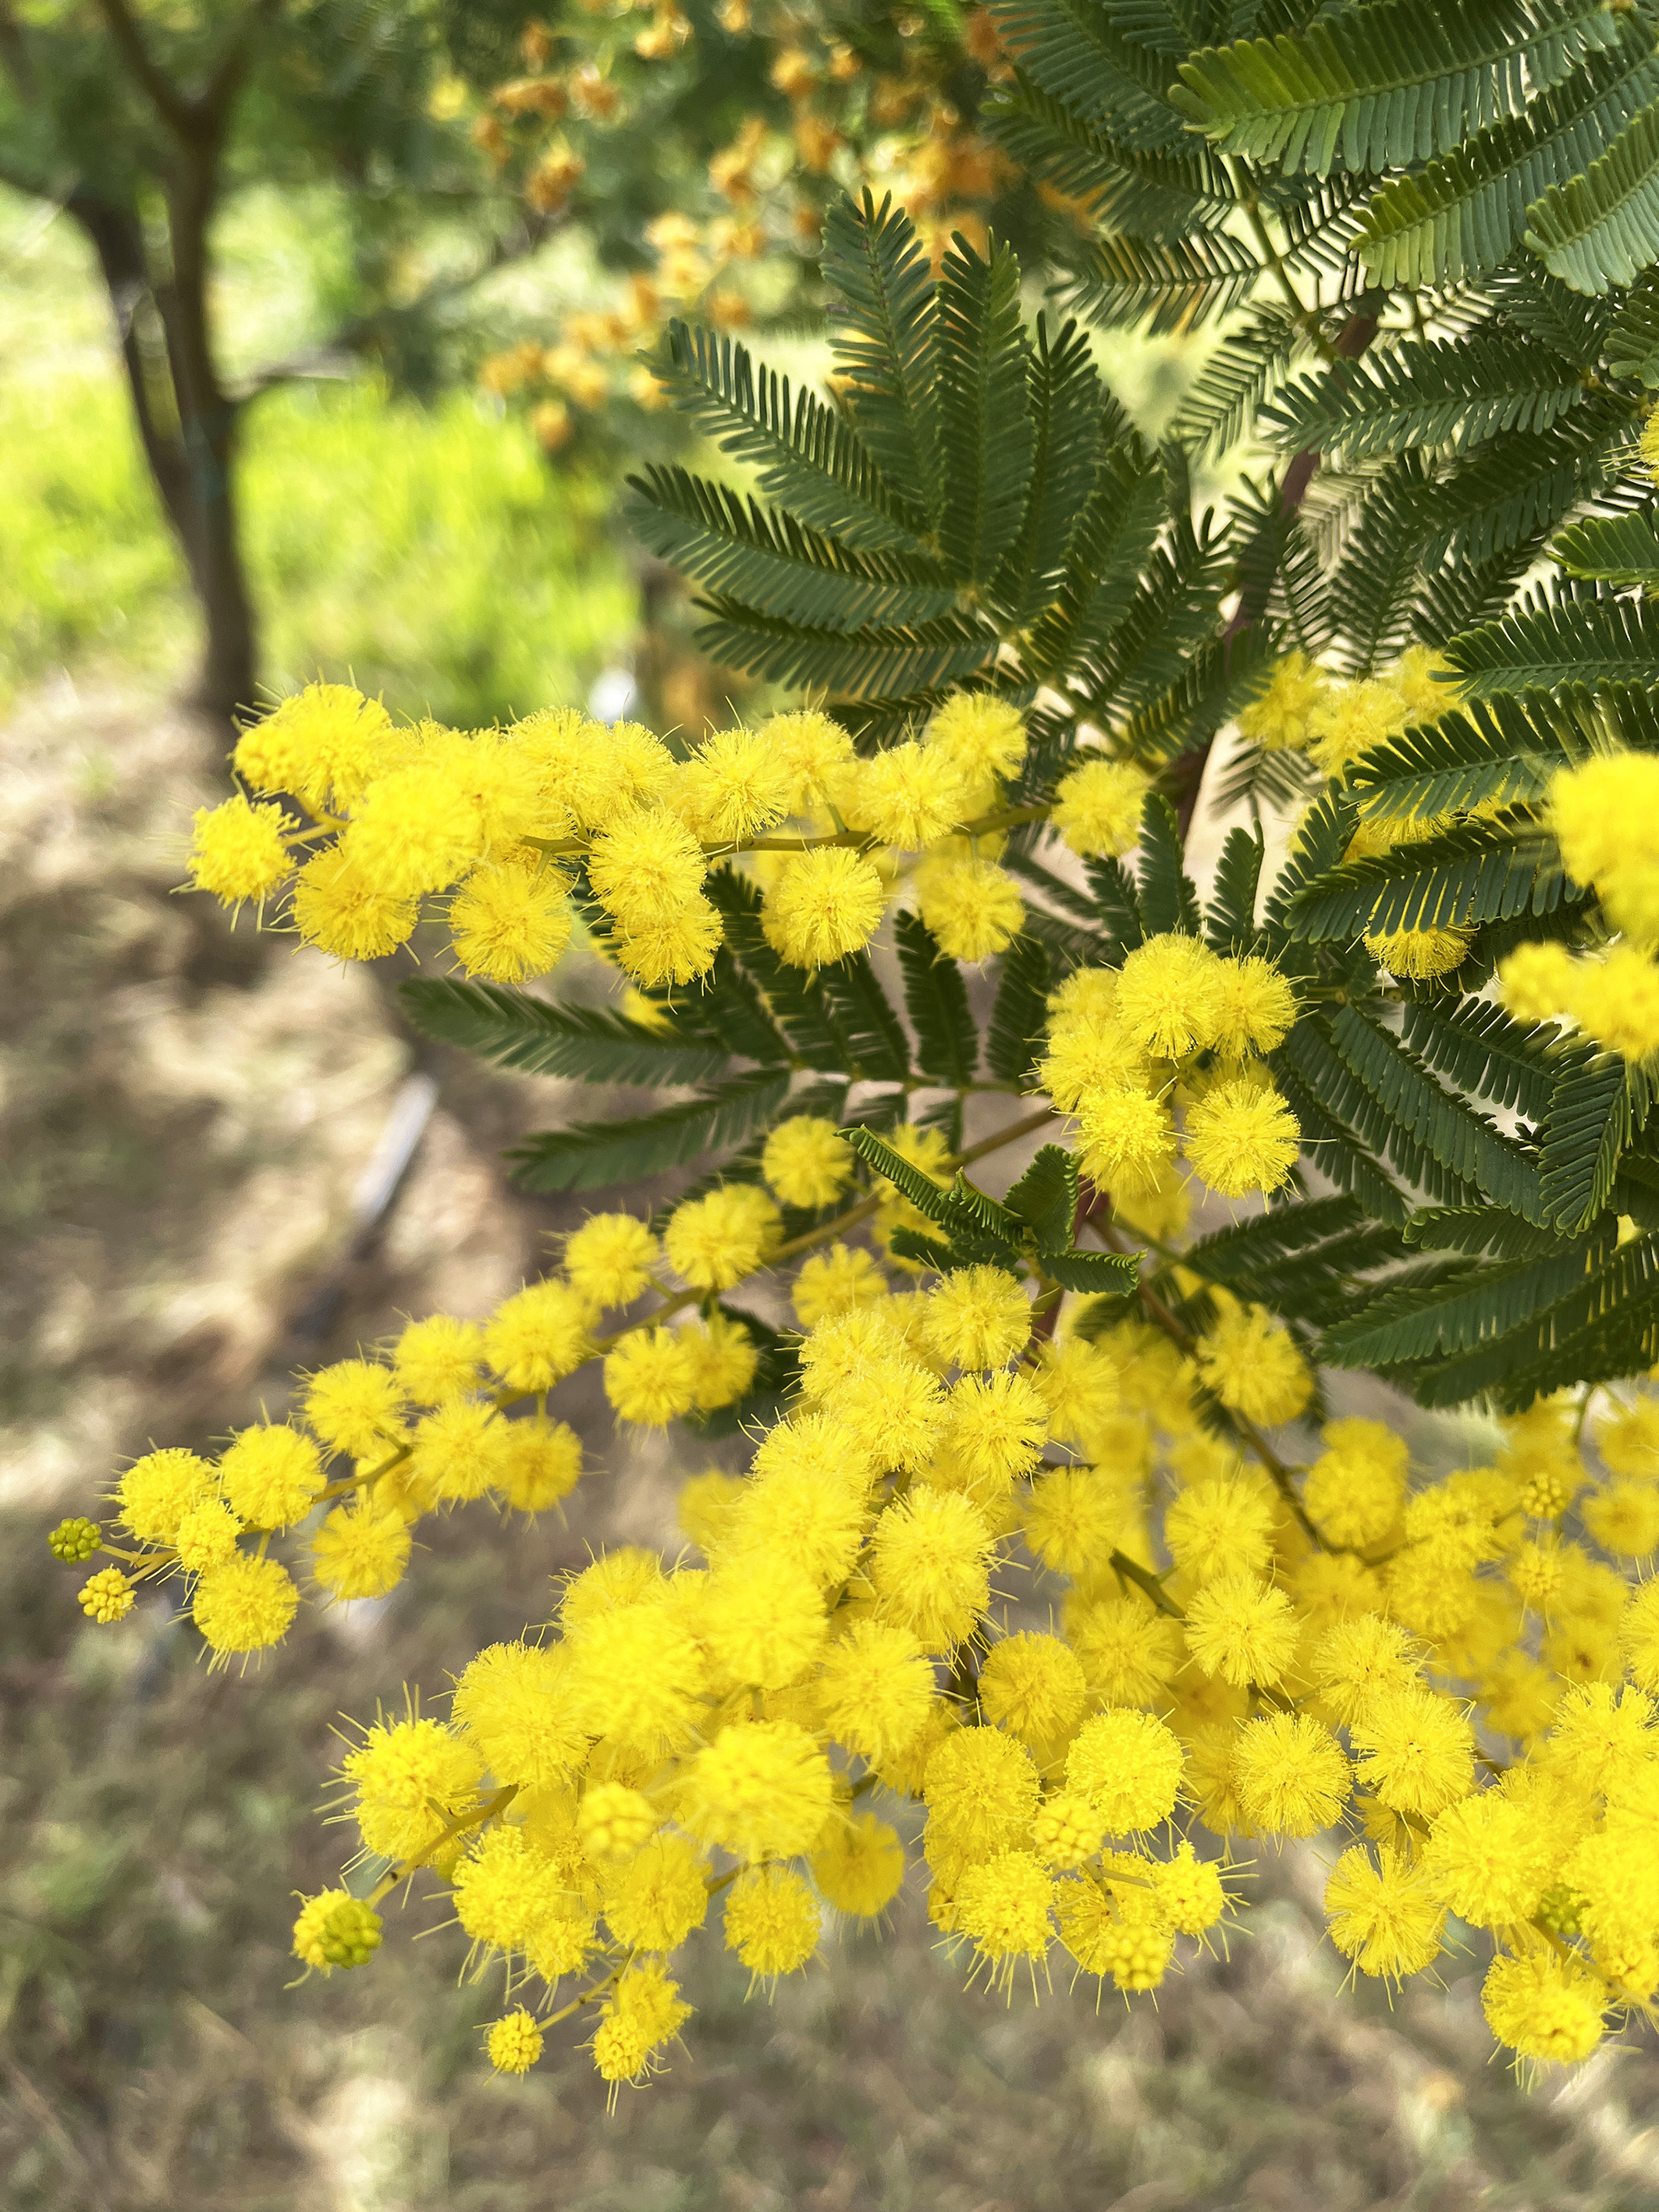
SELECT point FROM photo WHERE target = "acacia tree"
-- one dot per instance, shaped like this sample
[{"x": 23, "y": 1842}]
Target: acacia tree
[{"x": 1422, "y": 1042}]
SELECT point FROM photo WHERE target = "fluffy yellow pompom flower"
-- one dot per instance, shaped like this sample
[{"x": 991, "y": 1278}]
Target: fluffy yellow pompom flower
[
  {"x": 515, "y": 2043},
  {"x": 1097, "y": 807},
  {"x": 1033, "y": 1685},
  {"x": 907, "y": 796},
  {"x": 1488, "y": 1860},
  {"x": 875, "y": 1690},
  {"x": 724, "y": 1358},
  {"x": 1221, "y": 1527},
  {"x": 513, "y": 1701},
  {"x": 1353, "y": 1660},
  {"x": 973, "y": 907},
  {"x": 762, "y": 1620},
  {"x": 270, "y": 1474},
  {"x": 650, "y": 1378},
  {"x": 1122, "y": 1933},
  {"x": 508, "y": 922},
  {"x": 1252, "y": 1363},
  {"x": 1238, "y": 1628},
  {"x": 324, "y": 743},
  {"x": 1169, "y": 996},
  {"x": 106, "y": 1596},
  {"x": 813, "y": 748},
  {"x": 1191, "y": 1892},
  {"x": 1257, "y": 1006},
  {"x": 539, "y": 1336},
  {"x": 1074, "y": 1518},
  {"x": 807, "y": 1162},
  {"x": 341, "y": 909},
  {"x": 1639, "y": 1636},
  {"x": 1128, "y": 1765},
  {"x": 978, "y": 733},
  {"x": 929, "y": 1565},
  {"x": 772, "y": 1921},
  {"x": 1350, "y": 719},
  {"x": 660, "y": 1896},
  {"x": 1078, "y": 1382},
  {"x": 399, "y": 1773},
  {"x": 460, "y": 1451},
  {"x": 1415, "y": 1750},
  {"x": 997, "y": 1425},
  {"x": 355, "y": 1406},
  {"x": 1356, "y": 1489},
  {"x": 737, "y": 782},
  {"x": 1603, "y": 814},
  {"x": 859, "y": 1865},
  {"x": 1536, "y": 982},
  {"x": 677, "y": 951},
  {"x": 207, "y": 1535},
  {"x": 762, "y": 1790},
  {"x": 1129, "y": 1651},
  {"x": 822, "y": 905},
  {"x": 1544, "y": 2007},
  {"x": 805, "y": 1514},
  {"x": 1004, "y": 1904},
  {"x": 976, "y": 1317},
  {"x": 610, "y": 1258},
  {"x": 542, "y": 1463},
  {"x": 237, "y": 852},
  {"x": 1291, "y": 1774},
  {"x": 646, "y": 870},
  {"x": 1128, "y": 1139},
  {"x": 1419, "y": 955},
  {"x": 1277, "y": 719},
  {"x": 1242, "y": 1136},
  {"x": 636, "y": 1675},
  {"x": 980, "y": 1789},
  {"x": 1624, "y": 1519},
  {"x": 715, "y": 1241},
  {"x": 643, "y": 2011},
  {"x": 246, "y": 1605},
  {"x": 628, "y": 1576},
  {"x": 438, "y": 1359},
  {"x": 505, "y": 1890},
  {"x": 835, "y": 1282},
  {"x": 156, "y": 1492},
  {"x": 360, "y": 1552},
  {"x": 1383, "y": 1915},
  {"x": 411, "y": 832},
  {"x": 1615, "y": 1000}
]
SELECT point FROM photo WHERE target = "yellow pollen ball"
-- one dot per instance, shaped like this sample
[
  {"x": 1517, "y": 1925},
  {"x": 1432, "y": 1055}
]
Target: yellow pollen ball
[
  {"x": 807, "y": 1162},
  {"x": 360, "y": 1552},
  {"x": 972, "y": 905},
  {"x": 822, "y": 905},
  {"x": 438, "y": 1358},
  {"x": 610, "y": 1258},
  {"x": 1033, "y": 1685},
  {"x": 1242, "y": 1136},
  {"x": 859, "y": 1865},
  {"x": 929, "y": 1565},
  {"x": 1097, "y": 807},
  {"x": 772, "y": 1921},
  {"x": 1128, "y": 1767},
  {"x": 762, "y": 1790},
  {"x": 515, "y": 2043},
  {"x": 245, "y": 1605},
  {"x": 270, "y": 1475},
  {"x": 1290, "y": 1774},
  {"x": 237, "y": 852},
  {"x": 507, "y": 923},
  {"x": 156, "y": 1492}
]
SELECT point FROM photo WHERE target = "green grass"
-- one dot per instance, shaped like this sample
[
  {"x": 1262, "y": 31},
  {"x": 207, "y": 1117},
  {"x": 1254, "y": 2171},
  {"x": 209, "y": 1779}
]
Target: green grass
[{"x": 429, "y": 552}]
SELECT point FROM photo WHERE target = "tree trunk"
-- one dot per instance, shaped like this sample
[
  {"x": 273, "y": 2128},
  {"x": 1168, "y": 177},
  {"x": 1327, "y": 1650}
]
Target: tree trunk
[{"x": 186, "y": 425}]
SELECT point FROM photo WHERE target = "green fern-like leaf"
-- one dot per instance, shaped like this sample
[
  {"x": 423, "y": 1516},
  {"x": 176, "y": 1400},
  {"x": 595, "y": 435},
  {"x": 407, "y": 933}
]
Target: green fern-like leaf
[
  {"x": 1477, "y": 871},
  {"x": 1463, "y": 1141},
  {"x": 1546, "y": 648},
  {"x": 1472, "y": 1306},
  {"x": 886, "y": 343},
  {"x": 984, "y": 420},
  {"x": 1618, "y": 549},
  {"x": 1045, "y": 1198},
  {"x": 867, "y": 663},
  {"x": 534, "y": 1037},
  {"x": 1162, "y": 285},
  {"x": 1586, "y": 1128},
  {"x": 1602, "y": 227},
  {"x": 936, "y": 999},
  {"x": 1454, "y": 392},
  {"x": 1466, "y": 212},
  {"x": 1167, "y": 898},
  {"x": 1485, "y": 1053},
  {"x": 877, "y": 1049},
  {"x": 1633, "y": 340},
  {"x": 1230, "y": 918},
  {"x": 1158, "y": 194},
  {"x": 1019, "y": 1014},
  {"x": 804, "y": 456},
  {"x": 588, "y": 1155},
  {"x": 1503, "y": 749},
  {"x": 1392, "y": 82}
]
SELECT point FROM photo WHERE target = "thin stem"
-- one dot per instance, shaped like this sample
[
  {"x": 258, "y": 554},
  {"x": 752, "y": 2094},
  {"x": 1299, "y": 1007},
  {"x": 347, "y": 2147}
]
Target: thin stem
[
  {"x": 478, "y": 1818},
  {"x": 1130, "y": 1571}
]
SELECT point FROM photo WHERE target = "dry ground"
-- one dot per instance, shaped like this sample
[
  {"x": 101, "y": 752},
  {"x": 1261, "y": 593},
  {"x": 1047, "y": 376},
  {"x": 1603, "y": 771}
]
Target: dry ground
[{"x": 187, "y": 1112}]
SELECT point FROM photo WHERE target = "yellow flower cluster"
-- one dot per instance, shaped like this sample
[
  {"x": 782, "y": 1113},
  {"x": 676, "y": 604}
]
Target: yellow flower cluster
[
  {"x": 1462, "y": 1671},
  {"x": 1178, "y": 1027},
  {"x": 487, "y": 821},
  {"x": 1239, "y": 1652},
  {"x": 1605, "y": 816}
]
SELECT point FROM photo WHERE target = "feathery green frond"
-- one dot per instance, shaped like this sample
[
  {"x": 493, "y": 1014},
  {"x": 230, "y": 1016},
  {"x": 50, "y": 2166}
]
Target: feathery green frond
[
  {"x": 936, "y": 1000},
  {"x": 1602, "y": 227},
  {"x": 1546, "y": 648},
  {"x": 1454, "y": 392},
  {"x": 1476, "y": 871},
  {"x": 533, "y": 1036},
  {"x": 588, "y": 1155}
]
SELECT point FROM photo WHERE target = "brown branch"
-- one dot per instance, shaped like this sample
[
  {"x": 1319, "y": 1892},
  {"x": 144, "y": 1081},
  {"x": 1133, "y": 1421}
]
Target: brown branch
[{"x": 164, "y": 96}]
